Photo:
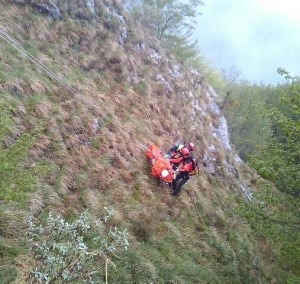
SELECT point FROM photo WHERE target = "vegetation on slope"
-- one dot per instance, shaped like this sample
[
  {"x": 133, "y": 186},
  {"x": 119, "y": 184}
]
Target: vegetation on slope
[
  {"x": 264, "y": 123},
  {"x": 67, "y": 151}
]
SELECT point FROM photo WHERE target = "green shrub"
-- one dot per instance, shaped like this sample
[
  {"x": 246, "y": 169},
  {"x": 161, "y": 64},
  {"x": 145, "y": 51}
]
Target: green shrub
[
  {"x": 65, "y": 252},
  {"x": 16, "y": 180}
]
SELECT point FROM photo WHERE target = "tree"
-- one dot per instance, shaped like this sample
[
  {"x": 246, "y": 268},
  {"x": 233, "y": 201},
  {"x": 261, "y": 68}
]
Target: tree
[
  {"x": 243, "y": 108},
  {"x": 171, "y": 21},
  {"x": 182, "y": 47},
  {"x": 279, "y": 160}
]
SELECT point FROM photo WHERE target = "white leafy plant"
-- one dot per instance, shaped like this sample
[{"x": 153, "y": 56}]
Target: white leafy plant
[{"x": 61, "y": 253}]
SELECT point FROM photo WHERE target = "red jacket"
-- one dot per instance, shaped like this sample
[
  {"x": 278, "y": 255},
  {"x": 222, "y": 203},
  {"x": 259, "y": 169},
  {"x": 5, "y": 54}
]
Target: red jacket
[{"x": 187, "y": 164}]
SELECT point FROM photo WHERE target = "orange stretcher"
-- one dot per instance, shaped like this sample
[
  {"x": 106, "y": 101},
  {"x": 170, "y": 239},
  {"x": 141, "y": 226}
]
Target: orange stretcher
[{"x": 161, "y": 168}]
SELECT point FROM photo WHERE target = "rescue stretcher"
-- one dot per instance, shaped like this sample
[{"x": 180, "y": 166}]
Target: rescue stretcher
[{"x": 160, "y": 166}]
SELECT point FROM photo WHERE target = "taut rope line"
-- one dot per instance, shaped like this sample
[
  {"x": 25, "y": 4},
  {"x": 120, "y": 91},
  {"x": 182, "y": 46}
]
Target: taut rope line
[{"x": 51, "y": 74}]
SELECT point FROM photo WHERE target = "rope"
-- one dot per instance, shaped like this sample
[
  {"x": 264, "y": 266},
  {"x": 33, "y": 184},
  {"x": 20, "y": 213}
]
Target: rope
[
  {"x": 31, "y": 58},
  {"x": 52, "y": 75},
  {"x": 6, "y": 37}
]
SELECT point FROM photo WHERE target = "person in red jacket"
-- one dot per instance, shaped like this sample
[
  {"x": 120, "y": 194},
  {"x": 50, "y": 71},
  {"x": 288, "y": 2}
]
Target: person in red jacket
[
  {"x": 174, "y": 151},
  {"x": 186, "y": 161}
]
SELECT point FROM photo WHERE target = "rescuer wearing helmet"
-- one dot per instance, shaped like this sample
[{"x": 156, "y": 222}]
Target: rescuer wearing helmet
[
  {"x": 174, "y": 151},
  {"x": 190, "y": 146},
  {"x": 186, "y": 161}
]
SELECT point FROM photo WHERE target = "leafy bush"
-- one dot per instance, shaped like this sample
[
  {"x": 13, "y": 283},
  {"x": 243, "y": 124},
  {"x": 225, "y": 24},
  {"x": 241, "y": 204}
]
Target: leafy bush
[
  {"x": 275, "y": 220},
  {"x": 66, "y": 252},
  {"x": 279, "y": 160}
]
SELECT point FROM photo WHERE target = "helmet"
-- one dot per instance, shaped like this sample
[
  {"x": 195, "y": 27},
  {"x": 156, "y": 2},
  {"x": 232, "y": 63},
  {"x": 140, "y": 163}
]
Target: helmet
[
  {"x": 190, "y": 146},
  {"x": 185, "y": 152},
  {"x": 164, "y": 173},
  {"x": 180, "y": 146}
]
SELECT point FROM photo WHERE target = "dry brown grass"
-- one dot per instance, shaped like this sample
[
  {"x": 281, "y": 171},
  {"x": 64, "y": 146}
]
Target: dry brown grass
[
  {"x": 114, "y": 171},
  {"x": 24, "y": 264},
  {"x": 37, "y": 202}
]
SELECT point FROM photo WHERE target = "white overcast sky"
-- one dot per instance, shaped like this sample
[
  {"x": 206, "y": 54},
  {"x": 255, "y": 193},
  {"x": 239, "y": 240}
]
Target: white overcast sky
[{"x": 254, "y": 36}]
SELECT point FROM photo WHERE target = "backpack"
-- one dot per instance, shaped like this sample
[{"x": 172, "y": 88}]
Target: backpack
[{"x": 195, "y": 168}]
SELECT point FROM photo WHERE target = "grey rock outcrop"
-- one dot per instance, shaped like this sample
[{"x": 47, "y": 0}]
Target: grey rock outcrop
[{"x": 48, "y": 8}]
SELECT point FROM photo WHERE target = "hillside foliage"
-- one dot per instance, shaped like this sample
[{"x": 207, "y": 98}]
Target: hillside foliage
[
  {"x": 172, "y": 22},
  {"x": 264, "y": 126},
  {"x": 279, "y": 161},
  {"x": 66, "y": 252},
  {"x": 76, "y": 141}
]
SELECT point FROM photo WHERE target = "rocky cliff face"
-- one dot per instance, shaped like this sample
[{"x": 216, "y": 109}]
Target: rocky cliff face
[
  {"x": 179, "y": 102},
  {"x": 93, "y": 89}
]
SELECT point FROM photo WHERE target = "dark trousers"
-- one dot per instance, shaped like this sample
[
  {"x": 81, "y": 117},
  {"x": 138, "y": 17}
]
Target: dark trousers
[{"x": 179, "y": 181}]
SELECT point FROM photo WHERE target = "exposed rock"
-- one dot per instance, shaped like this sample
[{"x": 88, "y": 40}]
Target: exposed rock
[
  {"x": 22, "y": 2},
  {"x": 91, "y": 5},
  {"x": 94, "y": 125},
  {"x": 220, "y": 130},
  {"x": 196, "y": 78},
  {"x": 174, "y": 71},
  {"x": 166, "y": 84},
  {"x": 115, "y": 14},
  {"x": 238, "y": 159},
  {"x": 205, "y": 113},
  {"x": 155, "y": 56},
  {"x": 48, "y": 8},
  {"x": 149, "y": 52},
  {"x": 122, "y": 36},
  {"x": 209, "y": 159},
  {"x": 140, "y": 46},
  {"x": 247, "y": 192}
]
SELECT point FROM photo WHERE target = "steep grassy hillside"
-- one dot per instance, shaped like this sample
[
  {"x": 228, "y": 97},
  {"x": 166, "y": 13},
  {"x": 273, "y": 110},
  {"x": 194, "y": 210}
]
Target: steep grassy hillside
[{"x": 75, "y": 139}]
